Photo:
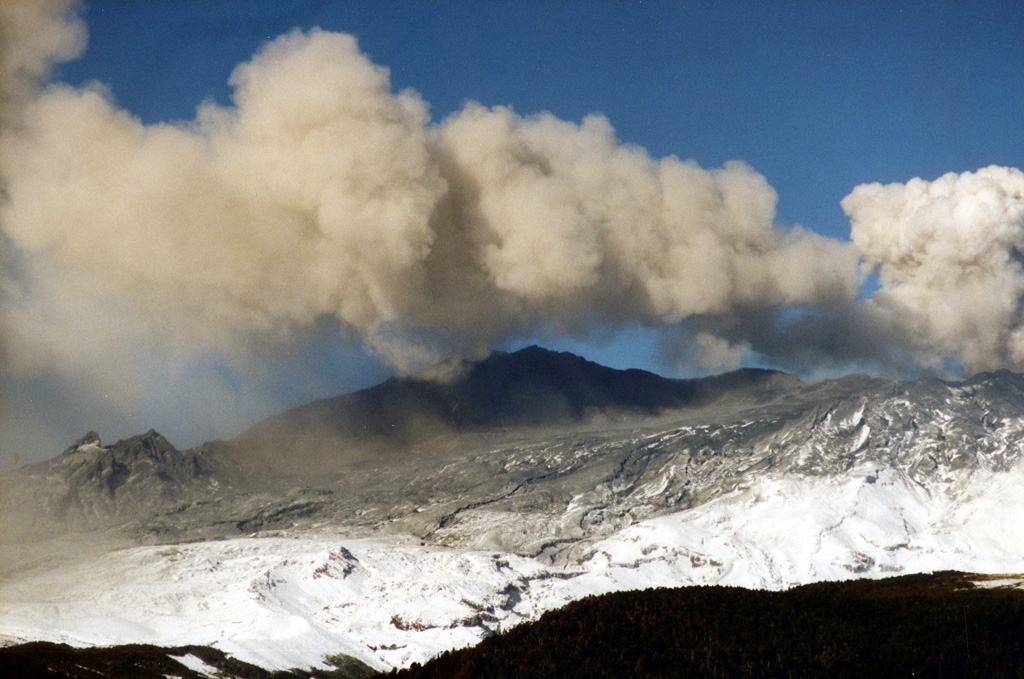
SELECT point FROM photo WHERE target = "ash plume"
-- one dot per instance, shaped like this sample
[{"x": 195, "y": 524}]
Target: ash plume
[
  {"x": 34, "y": 35},
  {"x": 949, "y": 255},
  {"x": 320, "y": 193},
  {"x": 321, "y": 196}
]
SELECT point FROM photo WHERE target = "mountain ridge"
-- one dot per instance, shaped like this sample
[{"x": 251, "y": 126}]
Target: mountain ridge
[
  {"x": 298, "y": 464},
  {"x": 461, "y": 530},
  {"x": 524, "y": 392},
  {"x": 529, "y": 388}
]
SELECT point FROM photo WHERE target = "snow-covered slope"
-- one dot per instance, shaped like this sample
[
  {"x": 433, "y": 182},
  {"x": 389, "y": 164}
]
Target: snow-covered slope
[
  {"x": 394, "y": 557},
  {"x": 292, "y": 601}
]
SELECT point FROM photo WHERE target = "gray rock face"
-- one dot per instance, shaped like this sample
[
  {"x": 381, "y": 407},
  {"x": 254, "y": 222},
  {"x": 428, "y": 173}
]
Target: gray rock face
[
  {"x": 489, "y": 462},
  {"x": 90, "y": 484}
]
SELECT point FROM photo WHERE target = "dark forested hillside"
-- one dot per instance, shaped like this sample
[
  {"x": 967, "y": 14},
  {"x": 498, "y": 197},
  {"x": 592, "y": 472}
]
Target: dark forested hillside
[
  {"x": 915, "y": 626},
  {"x": 44, "y": 660}
]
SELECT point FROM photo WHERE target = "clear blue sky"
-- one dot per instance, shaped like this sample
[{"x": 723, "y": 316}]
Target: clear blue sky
[{"x": 817, "y": 96}]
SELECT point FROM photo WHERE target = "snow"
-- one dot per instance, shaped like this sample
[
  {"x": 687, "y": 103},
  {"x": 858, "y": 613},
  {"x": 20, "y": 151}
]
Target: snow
[
  {"x": 999, "y": 582},
  {"x": 792, "y": 530},
  {"x": 197, "y": 665},
  {"x": 274, "y": 602},
  {"x": 287, "y": 602}
]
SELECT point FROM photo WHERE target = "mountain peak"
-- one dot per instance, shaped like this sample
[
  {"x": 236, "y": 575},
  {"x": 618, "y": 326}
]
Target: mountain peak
[
  {"x": 91, "y": 441},
  {"x": 529, "y": 388}
]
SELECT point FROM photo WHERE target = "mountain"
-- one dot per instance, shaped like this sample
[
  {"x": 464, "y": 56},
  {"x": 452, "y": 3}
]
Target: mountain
[
  {"x": 94, "y": 483},
  {"x": 292, "y": 465},
  {"x": 531, "y": 388},
  {"x": 393, "y": 523}
]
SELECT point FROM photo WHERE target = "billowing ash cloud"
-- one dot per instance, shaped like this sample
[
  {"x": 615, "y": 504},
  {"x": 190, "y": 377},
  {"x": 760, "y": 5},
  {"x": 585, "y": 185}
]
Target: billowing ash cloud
[
  {"x": 34, "y": 35},
  {"x": 321, "y": 196},
  {"x": 320, "y": 193},
  {"x": 949, "y": 255}
]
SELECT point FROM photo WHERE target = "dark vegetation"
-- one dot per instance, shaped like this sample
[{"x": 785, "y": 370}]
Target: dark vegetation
[
  {"x": 44, "y": 660},
  {"x": 914, "y": 626}
]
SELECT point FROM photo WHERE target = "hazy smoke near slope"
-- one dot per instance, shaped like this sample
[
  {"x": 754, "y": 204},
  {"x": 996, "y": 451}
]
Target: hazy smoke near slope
[{"x": 949, "y": 254}]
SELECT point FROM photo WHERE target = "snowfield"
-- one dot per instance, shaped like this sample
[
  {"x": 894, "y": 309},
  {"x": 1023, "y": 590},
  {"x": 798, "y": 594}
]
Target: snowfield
[{"x": 291, "y": 601}]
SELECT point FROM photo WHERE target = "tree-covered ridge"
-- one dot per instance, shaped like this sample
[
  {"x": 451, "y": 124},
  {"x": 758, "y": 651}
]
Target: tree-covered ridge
[
  {"x": 941, "y": 625},
  {"x": 45, "y": 660}
]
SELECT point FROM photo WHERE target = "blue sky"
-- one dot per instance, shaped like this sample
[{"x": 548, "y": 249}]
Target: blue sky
[{"x": 816, "y": 96}]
